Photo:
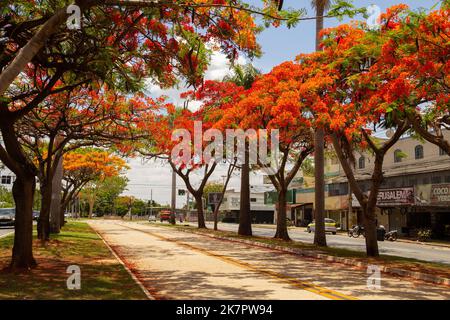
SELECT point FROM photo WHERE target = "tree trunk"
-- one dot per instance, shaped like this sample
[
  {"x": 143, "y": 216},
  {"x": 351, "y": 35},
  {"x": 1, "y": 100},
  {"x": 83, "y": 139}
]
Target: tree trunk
[
  {"x": 245, "y": 219},
  {"x": 23, "y": 193},
  {"x": 91, "y": 208},
  {"x": 62, "y": 211},
  {"x": 43, "y": 226},
  {"x": 216, "y": 217},
  {"x": 282, "y": 231},
  {"x": 319, "y": 202},
  {"x": 370, "y": 227},
  {"x": 200, "y": 216},
  {"x": 55, "y": 205},
  {"x": 319, "y": 141}
]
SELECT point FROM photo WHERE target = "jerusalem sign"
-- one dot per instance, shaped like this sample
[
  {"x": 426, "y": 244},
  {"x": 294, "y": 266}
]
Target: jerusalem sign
[{"x": 395, "y": 197}]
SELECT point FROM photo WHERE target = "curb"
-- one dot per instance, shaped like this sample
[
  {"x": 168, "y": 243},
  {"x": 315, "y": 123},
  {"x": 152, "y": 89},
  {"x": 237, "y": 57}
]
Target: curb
[
  {"x": 133, "y": 276},
  {"x": 394, "y": 271},
  {"x": 430, "y": 244}
]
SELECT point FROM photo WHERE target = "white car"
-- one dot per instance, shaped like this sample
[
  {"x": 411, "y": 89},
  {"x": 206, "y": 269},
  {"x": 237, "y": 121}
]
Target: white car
[{"x": 151, "y": 218}]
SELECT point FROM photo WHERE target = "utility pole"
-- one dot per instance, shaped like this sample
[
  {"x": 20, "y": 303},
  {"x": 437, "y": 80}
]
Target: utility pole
[{"x": 151, "y": 203}]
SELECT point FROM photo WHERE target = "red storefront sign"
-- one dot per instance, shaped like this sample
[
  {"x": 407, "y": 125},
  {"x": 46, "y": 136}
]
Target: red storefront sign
[{"x": 395, "y": 197}]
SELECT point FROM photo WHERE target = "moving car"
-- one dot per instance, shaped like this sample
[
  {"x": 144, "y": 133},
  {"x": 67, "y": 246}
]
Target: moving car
[
  {"x": 7, "y": 216},
  {"x": 330, "y": 226}
]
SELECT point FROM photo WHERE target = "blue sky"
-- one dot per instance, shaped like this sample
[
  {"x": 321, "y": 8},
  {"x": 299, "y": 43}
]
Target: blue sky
[{"x": 281, "y": 44}]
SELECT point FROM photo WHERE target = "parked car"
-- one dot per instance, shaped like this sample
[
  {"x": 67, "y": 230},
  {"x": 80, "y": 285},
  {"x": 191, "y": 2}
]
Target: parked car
[
  {"x": 330, "y": 226},
  {"x": 7, "y": 216},
  {"x": 151, "y": 218}
]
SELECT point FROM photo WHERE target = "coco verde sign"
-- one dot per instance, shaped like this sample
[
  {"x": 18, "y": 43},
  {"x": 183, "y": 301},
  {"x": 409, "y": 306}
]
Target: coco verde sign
[
  {"x": 395, "y": 197},
  {"x": 440, "y": 194}
]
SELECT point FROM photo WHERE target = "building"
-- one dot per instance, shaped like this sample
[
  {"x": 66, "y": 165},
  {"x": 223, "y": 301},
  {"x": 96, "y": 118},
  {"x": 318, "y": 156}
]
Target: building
[
  {"x": 260, "y": 211},
  {"x": 415, "y": 193},
  {"x": 7, "y": 177}
]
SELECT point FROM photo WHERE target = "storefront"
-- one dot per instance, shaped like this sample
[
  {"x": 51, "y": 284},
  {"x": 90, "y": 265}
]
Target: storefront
[{"x": 432, "y": 210}]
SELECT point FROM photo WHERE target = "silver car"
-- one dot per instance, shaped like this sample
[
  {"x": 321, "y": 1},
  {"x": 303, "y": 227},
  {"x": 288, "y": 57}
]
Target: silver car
[{"x": 7, "y": 216}]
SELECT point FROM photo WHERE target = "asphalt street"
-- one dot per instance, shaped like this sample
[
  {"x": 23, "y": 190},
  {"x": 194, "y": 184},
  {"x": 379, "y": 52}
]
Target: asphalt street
[{"x": 407, "y": 250}]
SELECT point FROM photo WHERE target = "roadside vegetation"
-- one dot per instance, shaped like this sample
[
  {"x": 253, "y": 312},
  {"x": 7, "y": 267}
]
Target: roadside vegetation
[{"x": 102, "y": 276}]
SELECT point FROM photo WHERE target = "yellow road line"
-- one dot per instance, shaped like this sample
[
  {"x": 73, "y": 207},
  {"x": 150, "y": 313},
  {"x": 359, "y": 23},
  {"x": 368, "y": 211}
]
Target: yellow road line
[{"x": 328, "y": 293}]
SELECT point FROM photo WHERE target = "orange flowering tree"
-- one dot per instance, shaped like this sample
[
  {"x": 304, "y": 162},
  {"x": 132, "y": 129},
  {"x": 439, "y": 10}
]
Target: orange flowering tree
[
  {"x": 65, "y": 122},
  {"x": 86, "y": 165},
  {"x": 120, "y": 43},
  {"x": 181, "y": 144},
  {"x": 274, "y": 102},
  {"x": 371, "y": 90},
  {"x": 412, "y": 70}
]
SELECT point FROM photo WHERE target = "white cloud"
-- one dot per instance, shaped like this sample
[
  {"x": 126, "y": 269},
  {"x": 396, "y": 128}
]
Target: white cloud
[{"x": 218, "y": 69}]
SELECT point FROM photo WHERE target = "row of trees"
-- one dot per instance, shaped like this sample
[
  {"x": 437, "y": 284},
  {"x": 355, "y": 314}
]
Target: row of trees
[
  {"x": 62, "y": 89},
  {"x": 361, "y": 81}
]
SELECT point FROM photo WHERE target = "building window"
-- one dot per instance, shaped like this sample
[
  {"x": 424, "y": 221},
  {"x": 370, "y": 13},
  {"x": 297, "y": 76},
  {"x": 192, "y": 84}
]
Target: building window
[
  {"x": 442, "y": 152},
  {"x": 398, "y": 155},
  {"x": 6, "y": 179},
  {"x": 362, "y": 162},
  {"x": 436, "y": 179},
  {"x": 252, "y": 199},
  {"x": 419, "y": 152}
]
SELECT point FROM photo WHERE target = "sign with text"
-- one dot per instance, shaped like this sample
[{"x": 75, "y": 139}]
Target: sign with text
[
  {"x": 395, "y": 197},
  {"x": 440, "y": 194}
]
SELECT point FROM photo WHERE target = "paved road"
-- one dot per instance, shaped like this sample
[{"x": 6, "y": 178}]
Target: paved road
[
  {"x": 177, "y": 265},
  {"x": 401, "y": 249},
  {"x": 5, "y": 230}
]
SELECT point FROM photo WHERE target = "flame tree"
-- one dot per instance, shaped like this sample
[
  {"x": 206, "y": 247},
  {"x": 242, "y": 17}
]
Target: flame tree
[{"x": 119, "y": 43}]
